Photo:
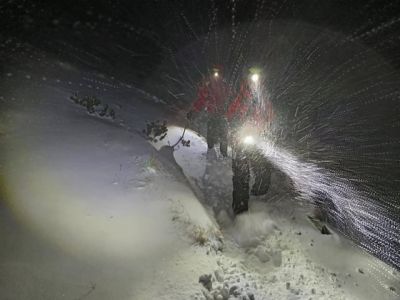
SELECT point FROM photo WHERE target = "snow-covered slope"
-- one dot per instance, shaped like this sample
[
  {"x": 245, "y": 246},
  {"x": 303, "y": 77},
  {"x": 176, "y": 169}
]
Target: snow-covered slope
[
  {"x": 91, "y": 210},
  {"x": 273, "y": 251},
  {"x": 88, "y": 189}
]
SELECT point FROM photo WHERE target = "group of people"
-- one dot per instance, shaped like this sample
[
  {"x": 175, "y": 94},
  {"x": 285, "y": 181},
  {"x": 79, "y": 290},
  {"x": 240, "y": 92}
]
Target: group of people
[{"x": 237, "y": 117}]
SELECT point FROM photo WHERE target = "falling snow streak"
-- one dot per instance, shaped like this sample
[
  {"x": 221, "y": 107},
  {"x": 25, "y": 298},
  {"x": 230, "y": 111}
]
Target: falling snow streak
[{"x": 356, "y": 214}]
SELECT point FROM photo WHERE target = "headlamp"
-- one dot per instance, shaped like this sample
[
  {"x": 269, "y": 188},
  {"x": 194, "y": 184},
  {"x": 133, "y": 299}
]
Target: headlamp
[
  {"x": 248, "y": 134},
  {"x": 249, "y": 140},
  {"x": 255, "y": 77}
]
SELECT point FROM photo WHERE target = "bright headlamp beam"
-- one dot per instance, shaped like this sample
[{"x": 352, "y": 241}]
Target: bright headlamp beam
[
  {"x": 255, "y": 77},
  {"x": 216, "y": 74},
  {"x": 249, "y": 140}
]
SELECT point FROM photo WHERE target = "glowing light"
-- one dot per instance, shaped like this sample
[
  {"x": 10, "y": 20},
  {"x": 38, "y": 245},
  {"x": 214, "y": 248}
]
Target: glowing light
[
  {"x": 249, "y": 140},
  {"x": 216, "y": 74},
  {"x": 255, "y": 77}
]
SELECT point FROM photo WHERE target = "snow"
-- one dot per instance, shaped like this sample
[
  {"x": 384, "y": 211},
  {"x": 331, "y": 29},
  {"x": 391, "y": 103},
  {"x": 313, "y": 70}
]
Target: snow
[
  {"x": 93, "y": 189},
  {"x": 92, "y": 210},
  {"x": 124, "y": 185},
  {"x": 286, "y": 257}
]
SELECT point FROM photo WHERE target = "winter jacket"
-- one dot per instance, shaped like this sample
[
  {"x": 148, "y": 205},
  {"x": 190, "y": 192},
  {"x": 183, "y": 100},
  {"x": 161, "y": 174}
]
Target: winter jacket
[
  {"x": 246, "y": 108},
  {"x": 212, "y": 95}
]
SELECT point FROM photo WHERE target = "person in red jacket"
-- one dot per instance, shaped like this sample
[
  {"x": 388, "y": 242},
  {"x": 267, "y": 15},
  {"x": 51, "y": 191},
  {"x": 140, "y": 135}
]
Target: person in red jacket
[
  {"x": 213, "y": 97},
  {"x": 249, "y": 115}
]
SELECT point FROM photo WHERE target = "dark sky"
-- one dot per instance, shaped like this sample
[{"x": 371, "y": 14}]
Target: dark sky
[{"x": 133, "y": 36}]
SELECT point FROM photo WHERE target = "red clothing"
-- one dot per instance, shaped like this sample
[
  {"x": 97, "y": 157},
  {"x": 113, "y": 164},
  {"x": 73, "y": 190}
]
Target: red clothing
[
  {"x": 213, "y": 96},
  {"x": 239, "y": 106},
  {"x": 243, "y": 108}
]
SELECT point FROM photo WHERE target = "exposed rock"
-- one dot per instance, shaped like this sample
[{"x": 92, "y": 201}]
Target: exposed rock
[
  {"x": 234, "y": 290},
  {"x": 205, "y": 280}
]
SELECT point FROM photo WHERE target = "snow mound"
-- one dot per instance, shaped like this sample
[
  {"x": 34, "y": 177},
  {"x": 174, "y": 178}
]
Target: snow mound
[
  {"x": 103, "y": 189},
  {"x": 250, "y": 229}
]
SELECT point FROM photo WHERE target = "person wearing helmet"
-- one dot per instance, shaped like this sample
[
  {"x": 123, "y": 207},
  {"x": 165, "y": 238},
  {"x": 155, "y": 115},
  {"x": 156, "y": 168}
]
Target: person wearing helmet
[
  {"x": 248, "y": 115},
  {"x": 212, "y": 96}
]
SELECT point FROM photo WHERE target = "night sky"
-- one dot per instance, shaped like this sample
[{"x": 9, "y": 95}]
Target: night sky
[{"x": 133, "y": 37}]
